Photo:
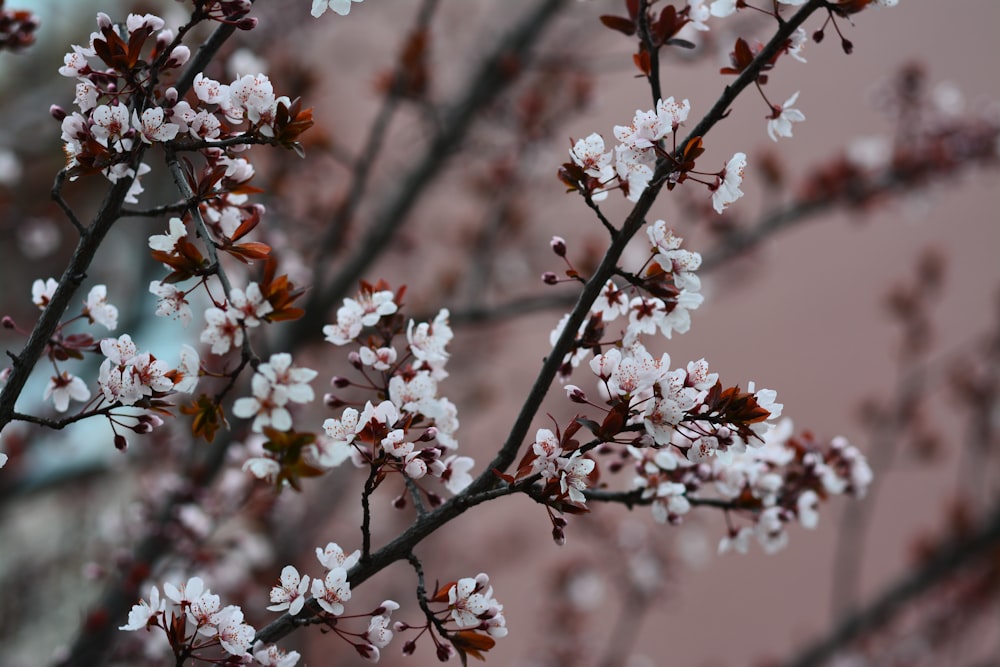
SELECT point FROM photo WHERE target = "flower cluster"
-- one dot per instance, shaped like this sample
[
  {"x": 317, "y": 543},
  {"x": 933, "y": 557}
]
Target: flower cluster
[
  {"x": 630, "y": 165},
  {"x": 194, "y": 618},
  {"x": 330, "y": 593},
  {"x": 121, "y": 102}
]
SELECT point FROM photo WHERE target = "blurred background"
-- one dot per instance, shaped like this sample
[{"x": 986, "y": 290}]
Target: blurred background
[{"x": 871, "y": 312}]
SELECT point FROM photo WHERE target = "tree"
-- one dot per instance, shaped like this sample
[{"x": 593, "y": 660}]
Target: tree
[{"x": 279, "y": 281}]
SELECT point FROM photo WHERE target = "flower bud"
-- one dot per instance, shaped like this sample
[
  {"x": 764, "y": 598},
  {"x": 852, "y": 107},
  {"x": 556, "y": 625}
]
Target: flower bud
[
  {"x": 8, "y": 322},
  {"x": 575, "y": 394},
  {"x": 558, "y": 244},
  {"x": 355, "y": 359},
  {"x": 57, "y": 112},
  {"x": 434, "y": 500},
  {"x": 443, "y": 652},
  {"x": 847, "y": 45},
  {"x": 331, "y": 401},
  {"x": 558, "y": 536},
  {"x": 428, "y": 435},
  {"x": 409, "y": 647},
  {"x": 248, "y": 23},
  {"x": 367, "y": 651},
  {"x": 399, "y": 502},
  {"x": 180, "y": 55},
  {"x": 550, "y": 278},
  {"x": 121, "y": 444},
  {"x": 339, "y": 382}
]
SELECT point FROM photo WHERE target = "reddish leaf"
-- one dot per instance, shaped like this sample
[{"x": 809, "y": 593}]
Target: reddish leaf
[{"x": 619, "y": 23}]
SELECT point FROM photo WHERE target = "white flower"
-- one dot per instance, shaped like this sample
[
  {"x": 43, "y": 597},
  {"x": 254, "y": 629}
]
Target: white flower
[
  {"x": 144, "y": 612},
  {"x": 332, "y": 591},
  {"x": 172, "y": 302},
  {"x": 110, "y": 122},
  {"x": 234, "y": 635},
  {"x": 152, "y": 126},
  {"x": 272, "y": 656},
  {"x": 456, "y": 473},
  {"x": 64, "y": 387},
  {"x": 342, "y": 7},
  {"x": 222, "y": 330},
  {"x": 168, "y": 242},
  {"x": 780, "y": 125},
  {"x": 291, "y": 594},
  {"x": 186, "y": 374},
  {"x": 332, "y": 557},
  {"x": 41, "y": 292},
  {"x": 728, "y": 189},
  {"x": 97, "y": 309}
]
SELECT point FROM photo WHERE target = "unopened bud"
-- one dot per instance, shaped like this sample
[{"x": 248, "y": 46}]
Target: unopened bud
[
  {"x": 57, "y": 112},
  {"x": 355, "y": 359},
  {"x": 339, "y": 382},
  {"x": 409, "y": 647},
  {"x": 558, "y": 244},
  {"x": 399, "y": 502},
  {"x": 401, "y": 626},
  {"x": 550, "y": 278},
  {"x": 434, "y": 500},
  {"x": 121, "y": 444},
  {"x": 575, "y": 394},
  {"x": 428, "y": 435},
  {"x": 818, "y": 36},
  {"x": 559, "y": 536},
  {"x": 331, "y": 401},
  {"x": 103, "y": 21},
  {"x": 443, "y": 652},
  {"x": 248, "y": 23},
  {"x": 8, "y": 322},
  {"x": 559, "y": 521},
  {"x": 847, "y": 45},
  {"x": 367, "y": 651}
]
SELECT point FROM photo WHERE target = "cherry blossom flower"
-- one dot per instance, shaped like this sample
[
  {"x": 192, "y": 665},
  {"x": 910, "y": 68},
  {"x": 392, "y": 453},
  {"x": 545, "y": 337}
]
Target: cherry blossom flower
[
  {"x": 152, "y": 126},
  {"x": 168, "y": 242},
  {"x": 332, "y": 557},
  {"x": 97, "y": 309},
  {"x": 291, "y": 594},
  {"x": 272, "y": 656},
  {"x": 110, "y": 123},
  {"x": 223, "y": 330},
  {"x": 429, "y": 340},
  {"x": 332, "y": 591},
  {"x": 172, "y": 302},
  {"x": 64, "y": 387},
  {"x": 471, "y": 603},
  {"x": 144, "y": 613},
  {"x": 588, "y": 153},
  {"x": 262, "y": 468},
  {"x": 3, "y": 459},
  {"x": 573, "y": 475},
  {"x": 182, "y": 596},
  {"x": 727, "y": 190},
  {"x": 722, "y": 8},
  {"x": 342, "y": 7},
  {"x": 234, "y": 635},
  {"x": 41, "y": 292},
  {"x": 274, "y": 385},
  {"x": 698, "y": 13},
  {"x": 209, "y": 90},
  {"x": 780, "y": 123},
  {"x": 456, "y": 473},
  {"x": 796, "y": 43}
]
